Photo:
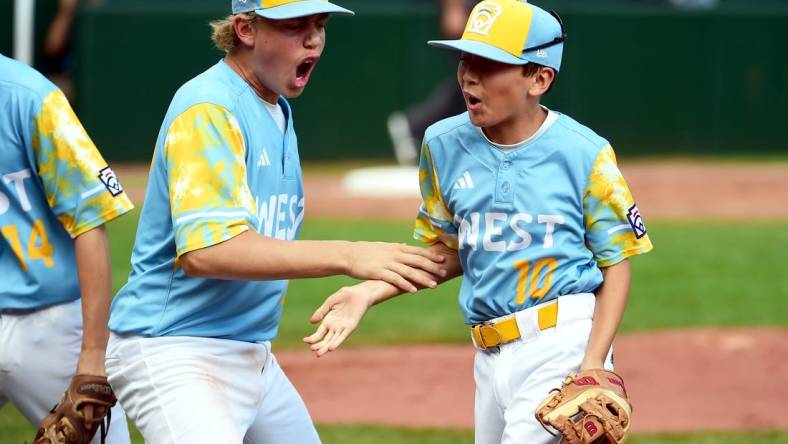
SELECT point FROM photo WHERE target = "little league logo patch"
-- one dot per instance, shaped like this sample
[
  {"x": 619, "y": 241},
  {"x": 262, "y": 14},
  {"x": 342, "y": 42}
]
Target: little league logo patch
[
  {"x": 107, "y": 177},
  {"x": 636, "y": 221},
  {"x": 483, "y": 18}
]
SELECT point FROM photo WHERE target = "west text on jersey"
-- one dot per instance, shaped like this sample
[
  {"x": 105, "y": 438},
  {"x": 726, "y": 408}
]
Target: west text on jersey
[
  {"x": 497, "y": 228},
  {"x": 280, "y": 216},
  {"x": 18, "y": 180}
]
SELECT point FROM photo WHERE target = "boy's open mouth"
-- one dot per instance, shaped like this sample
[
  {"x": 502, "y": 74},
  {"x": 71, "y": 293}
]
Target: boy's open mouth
[
  {"x": 304, "y": 69},
  {"x": 473, "y": 101}
]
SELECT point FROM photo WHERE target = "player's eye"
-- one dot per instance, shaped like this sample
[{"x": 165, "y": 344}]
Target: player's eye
[{"x": 291, "y": 25}]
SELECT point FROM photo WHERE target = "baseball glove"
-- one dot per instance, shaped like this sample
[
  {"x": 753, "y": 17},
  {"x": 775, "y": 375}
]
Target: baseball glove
[
  {"x": 590, "y": 407},
  {"x": 67, "y": 422}
]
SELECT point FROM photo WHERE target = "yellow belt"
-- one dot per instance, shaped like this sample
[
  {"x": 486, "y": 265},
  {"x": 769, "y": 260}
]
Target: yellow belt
[{"x": 502, "y": 332}]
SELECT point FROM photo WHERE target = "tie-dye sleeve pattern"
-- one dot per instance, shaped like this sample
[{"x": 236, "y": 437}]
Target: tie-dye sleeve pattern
[
  {"x": 614, "y": 227},
  {"x": 210, "y": 199},
  {"x": 434, "y": 221},
  {"x": 81, "y": 189}
]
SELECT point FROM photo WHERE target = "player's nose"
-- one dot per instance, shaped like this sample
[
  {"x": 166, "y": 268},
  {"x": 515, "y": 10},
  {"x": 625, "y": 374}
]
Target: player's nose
[
  {"x": 467, "y": 76},
  {"x": 315, "y": 37}
]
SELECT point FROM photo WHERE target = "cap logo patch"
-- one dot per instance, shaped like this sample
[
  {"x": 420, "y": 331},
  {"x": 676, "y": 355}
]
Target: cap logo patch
[
  {"x": 107, "y": 177},
  {"x": 541, "y": 54},
  {"x": 483, "y": 17},
  {"x": 636, "y": 221}
]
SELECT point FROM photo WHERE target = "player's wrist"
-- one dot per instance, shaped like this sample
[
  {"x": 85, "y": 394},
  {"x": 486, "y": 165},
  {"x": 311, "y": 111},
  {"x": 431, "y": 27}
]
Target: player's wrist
[
  {"x": 91, "y": 362},
  {"x": 590, "y": 363},
  {"x": 345, "y": 253},
  {"x": 376, "y": 292}
]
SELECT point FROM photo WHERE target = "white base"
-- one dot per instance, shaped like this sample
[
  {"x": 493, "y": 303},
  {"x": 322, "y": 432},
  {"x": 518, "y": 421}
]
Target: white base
[{"x": 383, "y": 182}]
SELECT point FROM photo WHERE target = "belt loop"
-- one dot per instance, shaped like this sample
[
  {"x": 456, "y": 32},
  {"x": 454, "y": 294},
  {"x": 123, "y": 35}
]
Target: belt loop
[
  {"x": 476, "y": 337},
  {"x": 548, "y": 315}
]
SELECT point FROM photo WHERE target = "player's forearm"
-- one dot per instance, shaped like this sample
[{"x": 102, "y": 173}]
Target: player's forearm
[
  {"x": 252, "y": 256},
  {"x": 611, "y": 300},
  {"x": 95, "y": 282}
]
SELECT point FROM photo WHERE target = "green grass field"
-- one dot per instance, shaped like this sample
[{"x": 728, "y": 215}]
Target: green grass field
[
  {"x": 700, "y": 273},
  {"x": 15, "y": 429}
]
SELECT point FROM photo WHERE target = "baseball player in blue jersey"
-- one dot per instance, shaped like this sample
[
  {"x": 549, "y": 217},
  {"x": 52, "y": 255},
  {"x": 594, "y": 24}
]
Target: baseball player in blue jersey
[
  {"x": 531, "y": 208},
  {"x": 56, "y": 194},
  {"x": 190, "y": 354}
]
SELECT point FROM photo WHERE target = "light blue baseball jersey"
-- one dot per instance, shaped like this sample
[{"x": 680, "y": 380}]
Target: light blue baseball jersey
[
  {"x": 530, "y": 224},
  {"x": 54, "y": 186},
  {"x": 221, "y": 167}
]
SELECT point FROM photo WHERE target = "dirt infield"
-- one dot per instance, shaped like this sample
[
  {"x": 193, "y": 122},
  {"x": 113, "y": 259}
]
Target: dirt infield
[
  {"x": 663, "y": 190},
  {"x": 679, "y": 381}
]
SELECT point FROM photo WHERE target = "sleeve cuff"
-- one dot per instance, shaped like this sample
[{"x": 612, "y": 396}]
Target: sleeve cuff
[
  {"x": 624, "y": 255},
  {"x": 228, "y": 234},
  {"x": 108, "y": 215}
]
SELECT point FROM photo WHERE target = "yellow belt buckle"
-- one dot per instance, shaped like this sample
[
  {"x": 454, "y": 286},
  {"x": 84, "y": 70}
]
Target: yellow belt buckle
[{"x": 479, "y": 331}]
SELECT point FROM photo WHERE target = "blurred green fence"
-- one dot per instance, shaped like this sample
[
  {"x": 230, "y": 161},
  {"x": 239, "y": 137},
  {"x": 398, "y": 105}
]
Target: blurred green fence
[
  {"x": 6, "y": 29},
  {"x": 650, "y": 78}
]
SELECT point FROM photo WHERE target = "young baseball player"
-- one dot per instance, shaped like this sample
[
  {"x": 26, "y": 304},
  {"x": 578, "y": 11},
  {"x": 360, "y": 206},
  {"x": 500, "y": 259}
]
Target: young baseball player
[
  {"x": 190, "y": 355},
  {"x": 56, "y": 194},
  {"x": 530, "y": 206}
]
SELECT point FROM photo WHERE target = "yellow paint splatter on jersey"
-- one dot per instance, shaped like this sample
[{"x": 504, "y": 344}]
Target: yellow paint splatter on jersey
[
  {"x": 607, "y": 201},
  {"x": 209, "y": 196},
  {"x": 434, "y": 222},
  {"x": 69, "y": 165}
]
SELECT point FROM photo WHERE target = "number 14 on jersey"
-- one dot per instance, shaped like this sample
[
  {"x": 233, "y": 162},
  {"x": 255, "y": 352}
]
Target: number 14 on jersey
[{"x": 38, "y": 246}]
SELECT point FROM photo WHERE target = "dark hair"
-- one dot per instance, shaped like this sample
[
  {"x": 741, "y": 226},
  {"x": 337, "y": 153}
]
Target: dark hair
[{"x": 530, "y": 69}]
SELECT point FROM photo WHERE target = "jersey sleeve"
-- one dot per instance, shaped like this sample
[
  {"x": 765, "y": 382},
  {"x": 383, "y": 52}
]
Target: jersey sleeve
[
  {"x": 81, "y": 189},
  {"x": 614, "y": 227},
  {"x": 434, "y": 222},
  {"x": 209, "y": 195}
]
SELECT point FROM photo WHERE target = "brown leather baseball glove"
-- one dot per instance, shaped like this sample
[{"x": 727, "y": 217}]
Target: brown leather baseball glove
[
  {"x": 590, "y": 407},
  {"x": 69, "y": 422}
]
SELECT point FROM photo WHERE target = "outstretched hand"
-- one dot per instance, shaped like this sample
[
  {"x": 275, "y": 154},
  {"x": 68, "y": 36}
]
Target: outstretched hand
[
  {"x": 404, "y": 266},
  {"x": 338, "y": 317}
]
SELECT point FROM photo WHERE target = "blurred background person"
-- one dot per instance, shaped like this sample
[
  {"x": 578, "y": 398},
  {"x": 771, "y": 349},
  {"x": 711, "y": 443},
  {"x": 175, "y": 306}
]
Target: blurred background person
[
  {"x": 406, "y": 128},
  {"x": 56, "y": 61}
]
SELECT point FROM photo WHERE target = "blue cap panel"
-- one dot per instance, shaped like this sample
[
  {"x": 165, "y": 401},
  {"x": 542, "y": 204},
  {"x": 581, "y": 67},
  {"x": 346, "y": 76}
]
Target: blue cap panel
[{"x": 281, "y": 10}]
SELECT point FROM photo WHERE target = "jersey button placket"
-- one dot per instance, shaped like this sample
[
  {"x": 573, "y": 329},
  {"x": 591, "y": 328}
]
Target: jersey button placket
[{"x": 504, "y": 195}]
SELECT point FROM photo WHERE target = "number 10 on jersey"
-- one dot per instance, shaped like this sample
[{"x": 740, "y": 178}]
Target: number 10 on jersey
[{"x": 531, "y": 273}]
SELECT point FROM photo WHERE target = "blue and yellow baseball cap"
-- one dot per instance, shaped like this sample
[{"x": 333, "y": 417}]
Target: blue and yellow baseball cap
[
  {"x": 288, "y": 9},
  {"x": 512, "y": 32}
]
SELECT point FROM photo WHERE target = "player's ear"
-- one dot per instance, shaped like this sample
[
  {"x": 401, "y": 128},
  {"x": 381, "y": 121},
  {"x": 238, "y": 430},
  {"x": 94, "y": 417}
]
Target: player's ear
[
  {"x": 543, "y": 79},
  {"x": 244, "y": 29}
]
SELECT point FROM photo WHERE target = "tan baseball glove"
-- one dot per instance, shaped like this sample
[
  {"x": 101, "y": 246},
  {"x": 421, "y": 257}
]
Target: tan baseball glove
[
  {"x": 590, "y": 407},
  {"x": 69, "y": 422}
]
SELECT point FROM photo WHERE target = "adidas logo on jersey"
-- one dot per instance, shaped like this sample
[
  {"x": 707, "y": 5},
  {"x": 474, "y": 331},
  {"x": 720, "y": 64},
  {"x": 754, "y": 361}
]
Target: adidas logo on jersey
[
  {"x": 464, "y": 182},
  {"x": 264, "y": 161}
]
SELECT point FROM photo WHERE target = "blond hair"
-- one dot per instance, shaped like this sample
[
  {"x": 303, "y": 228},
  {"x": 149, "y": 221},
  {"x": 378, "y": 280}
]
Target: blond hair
[{"x": 224, "y": 36}]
